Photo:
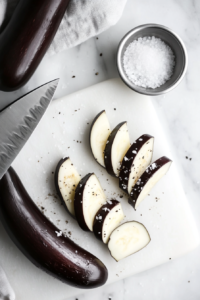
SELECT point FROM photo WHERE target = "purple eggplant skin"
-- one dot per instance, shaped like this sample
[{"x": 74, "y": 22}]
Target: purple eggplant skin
[
  {"x": 25, "y": 40},
  {"x": 56, "y": 184},
  {"x": 35, "y": 236},
  {"x": 78, "y": 202},
  {"x": 145, "y": 178},
  {"x": 127, "y": 164},
  {"x": 107, "y": 152},
  {"x": 93, "y": 122},
  {"x": 98, "y": 223}
]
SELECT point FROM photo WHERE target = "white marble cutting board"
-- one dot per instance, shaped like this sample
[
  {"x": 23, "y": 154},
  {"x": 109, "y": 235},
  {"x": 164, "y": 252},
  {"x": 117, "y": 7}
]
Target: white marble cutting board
[{"x": 64, "y": 131}]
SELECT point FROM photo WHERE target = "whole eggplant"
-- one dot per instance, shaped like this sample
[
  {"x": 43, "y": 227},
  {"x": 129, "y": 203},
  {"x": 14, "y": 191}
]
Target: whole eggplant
[
  {"x": 40, "y": 240},
  {"x": 26, "y": 39}
]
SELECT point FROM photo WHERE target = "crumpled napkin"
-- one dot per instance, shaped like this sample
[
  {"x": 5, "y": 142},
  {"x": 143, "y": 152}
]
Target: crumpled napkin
[
  {"x": 6, "y": 291},
  {"x": 82, "y": 20}
]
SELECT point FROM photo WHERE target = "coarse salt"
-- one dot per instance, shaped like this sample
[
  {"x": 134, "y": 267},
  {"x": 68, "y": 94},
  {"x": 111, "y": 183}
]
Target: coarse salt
[
  {"x": 58, "y": 233},
  {"x": 148, "y": 62},
  {"x": 153, "y": 166}
]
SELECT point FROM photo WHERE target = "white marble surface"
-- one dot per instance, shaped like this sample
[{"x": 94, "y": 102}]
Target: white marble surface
[{"x": 178, "y": 112}]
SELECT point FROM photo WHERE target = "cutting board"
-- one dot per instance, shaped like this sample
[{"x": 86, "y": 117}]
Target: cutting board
[{"x": 64, "y": 131}]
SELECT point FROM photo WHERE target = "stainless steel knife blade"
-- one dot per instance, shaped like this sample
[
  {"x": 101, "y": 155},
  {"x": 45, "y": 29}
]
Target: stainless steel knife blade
[{"x": 18, "y": 121}]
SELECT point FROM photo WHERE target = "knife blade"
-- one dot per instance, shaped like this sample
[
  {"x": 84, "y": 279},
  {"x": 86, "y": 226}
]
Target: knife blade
[{"x": 18, "y": 121}]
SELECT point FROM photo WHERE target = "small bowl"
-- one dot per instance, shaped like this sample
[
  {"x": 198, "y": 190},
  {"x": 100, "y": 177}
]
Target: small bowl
[{"x": 172, "y": 40}]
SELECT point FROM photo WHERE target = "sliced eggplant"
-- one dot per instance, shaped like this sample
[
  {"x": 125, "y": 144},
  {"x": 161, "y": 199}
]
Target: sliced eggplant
[
  {"x": 89, "y": 197},
  {"x": 116, "y": 147},
  {"x": 99, "y": 133},
  {"x": 107, "y": 219},
  {"x": 42, "y": 242},
  {"x": 149, "y": 178},
  {"x": 66, "y": 180},
  {"x": 135, "y": 162},
  {"x": 128, "y": 239}
]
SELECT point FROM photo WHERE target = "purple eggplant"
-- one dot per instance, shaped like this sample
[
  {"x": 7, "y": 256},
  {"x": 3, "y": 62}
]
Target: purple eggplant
[
  {"x": 26, "y": 39},
  {"x": 43, "y": 243}
]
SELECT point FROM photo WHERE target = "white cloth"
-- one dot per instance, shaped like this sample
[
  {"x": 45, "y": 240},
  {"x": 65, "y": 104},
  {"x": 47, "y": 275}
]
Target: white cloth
[
  {"x": 6, "y": 291},
  {"x": 82, "y": 20},
  {"x": 2, "y": 11}
]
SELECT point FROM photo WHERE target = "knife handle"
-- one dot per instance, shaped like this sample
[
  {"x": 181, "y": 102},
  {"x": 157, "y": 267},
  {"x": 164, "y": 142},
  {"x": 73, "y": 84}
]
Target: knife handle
[{"x": 26, "y": 39}]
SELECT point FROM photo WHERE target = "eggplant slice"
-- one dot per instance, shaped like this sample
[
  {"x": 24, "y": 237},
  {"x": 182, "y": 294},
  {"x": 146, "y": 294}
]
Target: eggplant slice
[
  {"x": 99, "y": 133},
  {"x": 135, "y": 162},
  {"x": 107, "y": 219},
  {"x": 66, "y": 180},
  {"x": 149, "y": 178},
  {"x": 116, "y": 147},
  {"x": 128, "y": 239},
  {"x": 89, "y": 197}
]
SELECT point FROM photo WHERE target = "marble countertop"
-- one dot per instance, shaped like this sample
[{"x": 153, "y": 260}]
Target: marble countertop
[{"x": 178, "y": 111}]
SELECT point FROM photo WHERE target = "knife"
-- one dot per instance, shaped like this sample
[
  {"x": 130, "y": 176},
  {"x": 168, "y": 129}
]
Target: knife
[{"x": 18, "y": 121}]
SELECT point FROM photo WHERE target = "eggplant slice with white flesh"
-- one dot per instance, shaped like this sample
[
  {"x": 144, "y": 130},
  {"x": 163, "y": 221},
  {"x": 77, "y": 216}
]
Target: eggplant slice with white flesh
[
  {"x": 107, "y": 219},
  {"x": 128, "y": 239},
  {"x": 66, "y": 179},
  {"x": 116, "y": 147},
  {"x": 149, "y": 178},
  {"x": 89, "y": 197},
  {"x": 99, "y": 133},
  {"x": 135, "y": 162}
]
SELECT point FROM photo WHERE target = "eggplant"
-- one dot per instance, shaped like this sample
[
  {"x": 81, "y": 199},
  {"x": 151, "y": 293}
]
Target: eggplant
[
  {"x": 135, "y": 162},
  {"x": 89, "y": 197},
  {"x": 107, "y": 219},
  {"x": 26, "y": 39},
  {"x": 128, "y": 239},
  {"x": 99, "y": 133},
  {"x": 116, "y": 147},
  {"x": 43, "y": 243},
  {"x": 66, "y": 179},
  {"x": 149, "y": 178}
]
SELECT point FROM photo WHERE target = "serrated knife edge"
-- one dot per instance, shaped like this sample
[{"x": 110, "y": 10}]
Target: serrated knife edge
[{"x": 16, "y": 135}]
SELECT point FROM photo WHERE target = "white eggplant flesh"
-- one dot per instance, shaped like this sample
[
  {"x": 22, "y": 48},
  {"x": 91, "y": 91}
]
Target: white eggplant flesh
[
  {"x": 120, "y": 146},
  {"x": 116, "y": 147},
  {"x": 152, "y": 181},
  {"x": 93, "y": 199},
  {"x": 128, "y": 239},
  {"x": 99, "y": 133},
  {"x": 147, "y": 181},
  {"x": 140, "y": 163},
  {"x": 112, "y": 220},
  {"x": 68, "y": 179}
]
